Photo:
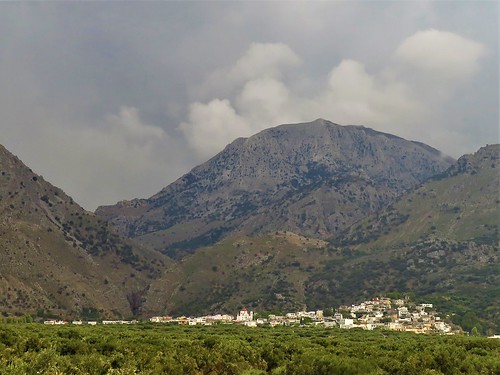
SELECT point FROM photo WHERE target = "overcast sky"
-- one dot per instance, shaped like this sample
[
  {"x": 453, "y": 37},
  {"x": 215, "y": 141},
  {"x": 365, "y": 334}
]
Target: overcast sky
[{"x": 115, "y": 100}]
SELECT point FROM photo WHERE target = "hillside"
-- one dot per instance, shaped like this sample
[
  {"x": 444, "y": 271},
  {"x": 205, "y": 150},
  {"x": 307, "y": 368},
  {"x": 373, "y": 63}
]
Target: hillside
[
  {"x": 58, "y": 259},
  {"x": 439, "y": 242},
  {"x": 460, "y": 204},
  {"x": 314, "y": 179},
  {"x": 259, "y": 272}
]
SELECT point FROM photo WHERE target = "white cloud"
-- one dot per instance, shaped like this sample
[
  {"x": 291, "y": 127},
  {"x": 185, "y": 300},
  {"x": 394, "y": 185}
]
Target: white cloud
[
  {"x": 350, "y": 93},
  {"x": 392, "y": 99},
  {"x": 441, "y": 54},
  {"x": 128, "y": 125},
  {"x": 264, "y": 101},
  {"x": 348, "y": 77},
  {"x": 213, "y": 125},
  {"x": 354, "y": 96},
  {"x": 264, "y": 60},
  {"x": 260, "y": 60}
]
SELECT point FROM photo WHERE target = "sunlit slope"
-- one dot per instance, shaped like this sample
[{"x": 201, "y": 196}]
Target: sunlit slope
[{"x": 438, "y": 242}]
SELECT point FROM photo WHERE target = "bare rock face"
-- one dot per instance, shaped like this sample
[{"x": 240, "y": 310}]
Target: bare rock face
[{"x": 314, "y": 179}]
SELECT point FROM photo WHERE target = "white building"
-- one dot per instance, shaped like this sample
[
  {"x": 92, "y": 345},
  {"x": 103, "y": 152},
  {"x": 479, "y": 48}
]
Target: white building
[
  {"x": 442, "y": 327},
  {"x": 219, "y": 318},
  {"x": 160, "y": 319},
  {"x": 346, "y": 323},
  {"x": 402, "y": 312},
  {"x": 54, "y": 322},
  {"x": 244, "y": 316}
]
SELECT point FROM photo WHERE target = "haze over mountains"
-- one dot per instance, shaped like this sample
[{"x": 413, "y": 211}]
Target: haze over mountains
[{"x": 302, "y": 215}]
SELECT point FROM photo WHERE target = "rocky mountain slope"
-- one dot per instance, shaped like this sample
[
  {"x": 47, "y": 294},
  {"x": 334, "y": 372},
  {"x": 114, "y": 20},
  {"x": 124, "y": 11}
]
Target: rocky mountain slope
[
  {"x": 314, "y": 179},
  {"x": 58, "y": 259},
  {"x": 460, "y": 204},
  {"x": 439, "y": 242}
]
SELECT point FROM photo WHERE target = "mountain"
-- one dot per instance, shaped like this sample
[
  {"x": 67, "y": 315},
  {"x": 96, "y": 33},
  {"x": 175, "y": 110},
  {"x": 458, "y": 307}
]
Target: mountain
[
  {"x": 58, "y": 259},
  {"x": 438, "y": 242},
  {"x": 298, "y": 216},
  {"x": 315, "y": 179}
]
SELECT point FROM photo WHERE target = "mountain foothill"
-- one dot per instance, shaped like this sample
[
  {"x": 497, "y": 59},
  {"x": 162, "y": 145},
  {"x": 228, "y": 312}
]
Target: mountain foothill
[{"x": 309, "y": 215}]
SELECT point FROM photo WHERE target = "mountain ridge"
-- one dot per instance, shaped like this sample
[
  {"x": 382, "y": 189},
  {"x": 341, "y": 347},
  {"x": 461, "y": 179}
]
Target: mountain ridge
[{"x": 295, "y": 177}]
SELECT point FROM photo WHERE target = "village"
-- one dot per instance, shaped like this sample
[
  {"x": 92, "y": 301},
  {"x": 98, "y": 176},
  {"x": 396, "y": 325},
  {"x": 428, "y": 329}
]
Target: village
[
  {"x": 393, "y": 314},
  {"x": 385, "y": 313}
]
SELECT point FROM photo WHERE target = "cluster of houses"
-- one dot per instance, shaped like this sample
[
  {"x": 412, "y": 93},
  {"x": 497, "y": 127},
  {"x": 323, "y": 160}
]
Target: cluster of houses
[
  {"x": 393, "y": 314},
  {"x": 56, "y": 322},
  {"x": 396, "y": 314}
]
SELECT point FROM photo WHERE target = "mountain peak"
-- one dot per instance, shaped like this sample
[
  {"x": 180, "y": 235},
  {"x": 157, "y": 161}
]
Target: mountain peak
[{"x": 313, "y": 178}]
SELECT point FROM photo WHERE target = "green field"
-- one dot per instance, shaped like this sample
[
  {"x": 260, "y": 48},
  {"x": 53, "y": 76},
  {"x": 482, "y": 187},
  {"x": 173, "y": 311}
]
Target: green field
[{"x": 166, "y": 349}]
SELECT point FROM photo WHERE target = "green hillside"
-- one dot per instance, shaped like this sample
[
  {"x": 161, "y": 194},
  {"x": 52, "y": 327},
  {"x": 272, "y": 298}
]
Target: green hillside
[
  {"x": 261, "y": 272},
  {"x": 438, "y": 242}
]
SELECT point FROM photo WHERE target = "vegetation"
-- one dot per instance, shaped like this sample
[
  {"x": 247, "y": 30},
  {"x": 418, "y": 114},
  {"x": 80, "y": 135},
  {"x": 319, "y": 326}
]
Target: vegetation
[{"x": 164, "y": 349}]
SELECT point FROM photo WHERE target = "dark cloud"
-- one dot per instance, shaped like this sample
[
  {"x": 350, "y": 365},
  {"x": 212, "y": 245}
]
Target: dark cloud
[{"x": 114, "y": 100}]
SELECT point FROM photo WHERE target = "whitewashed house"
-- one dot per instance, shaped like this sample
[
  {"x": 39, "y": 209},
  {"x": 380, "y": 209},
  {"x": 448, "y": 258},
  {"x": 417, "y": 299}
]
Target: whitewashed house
[{"x": 244, "y": 316}]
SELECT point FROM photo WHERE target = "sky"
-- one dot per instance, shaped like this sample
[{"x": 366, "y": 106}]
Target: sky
[{"x": 115, "y": 100}]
